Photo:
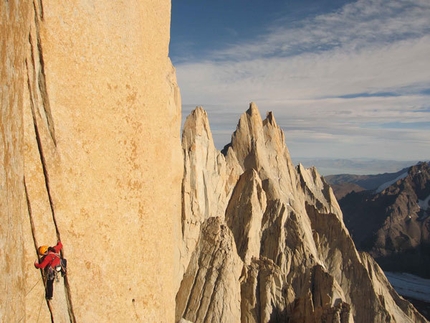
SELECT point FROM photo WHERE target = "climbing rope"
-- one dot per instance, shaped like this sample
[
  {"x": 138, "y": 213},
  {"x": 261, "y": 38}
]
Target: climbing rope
[
  {"x": 32, "y": 288},
  {"x": 40, "y": 308}
]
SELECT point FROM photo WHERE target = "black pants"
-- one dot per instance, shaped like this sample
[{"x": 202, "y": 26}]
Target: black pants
[
  {"x": 49, "y": 290},
  {"x": 50, "y": 277}
]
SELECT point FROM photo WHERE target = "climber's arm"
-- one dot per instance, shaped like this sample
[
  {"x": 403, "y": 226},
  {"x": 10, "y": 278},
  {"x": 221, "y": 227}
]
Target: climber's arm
[
  {"x": 43, "y": 264},
  {"x": 58, "y": 247}
]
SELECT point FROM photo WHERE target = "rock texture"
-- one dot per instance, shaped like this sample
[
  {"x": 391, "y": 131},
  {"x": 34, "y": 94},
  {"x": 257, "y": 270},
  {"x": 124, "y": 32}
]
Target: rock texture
[
  {"x": 393, "y": 223},
  {"x": 90, "y": 124},
  {"x": 268, "y": 238}
]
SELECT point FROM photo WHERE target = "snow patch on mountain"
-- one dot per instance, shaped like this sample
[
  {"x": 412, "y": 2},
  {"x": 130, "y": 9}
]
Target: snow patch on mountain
[
  {"x": 388, "y": 184},
  {"x": 409, "y": 285}
]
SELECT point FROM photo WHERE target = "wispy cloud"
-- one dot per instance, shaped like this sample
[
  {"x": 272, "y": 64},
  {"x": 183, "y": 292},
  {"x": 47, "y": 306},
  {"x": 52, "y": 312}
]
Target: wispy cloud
[
  {"x": 355, "y": 26},
  {"x": 334, "y": 81}
]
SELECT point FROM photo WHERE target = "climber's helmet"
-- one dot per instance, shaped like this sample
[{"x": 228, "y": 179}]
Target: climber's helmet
[{"x": 43, "y": 250}]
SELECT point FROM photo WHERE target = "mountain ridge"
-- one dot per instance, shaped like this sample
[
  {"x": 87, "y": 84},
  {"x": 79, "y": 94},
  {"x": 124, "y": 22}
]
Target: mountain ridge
[
  {"x": 390, "y": 220},
  {"x": 354, "y": 166},
  {"x": 396, "y": 215},
  {"x": 343, "y": 184},
  {"x": 275, "y": 225}
]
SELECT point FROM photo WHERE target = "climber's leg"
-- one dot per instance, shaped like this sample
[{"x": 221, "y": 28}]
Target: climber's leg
[{"x": 49, "y": 289}]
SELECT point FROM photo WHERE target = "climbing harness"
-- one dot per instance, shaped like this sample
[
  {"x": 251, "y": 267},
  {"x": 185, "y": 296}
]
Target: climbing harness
[{"x": 52, "y": 273}]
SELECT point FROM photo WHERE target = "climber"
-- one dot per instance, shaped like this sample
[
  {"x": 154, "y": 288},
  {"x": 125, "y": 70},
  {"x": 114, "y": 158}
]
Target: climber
[{"x": 51, "y": 262}]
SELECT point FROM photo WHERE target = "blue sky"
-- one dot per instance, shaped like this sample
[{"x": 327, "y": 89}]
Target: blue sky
[{"x": 345, "y": 79}]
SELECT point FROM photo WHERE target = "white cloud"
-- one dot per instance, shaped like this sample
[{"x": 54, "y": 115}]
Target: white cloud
[
  {"x": 354, "y": 26},
  {"x": 393, "y": 67},
  {"x": 304, "y": 73}
]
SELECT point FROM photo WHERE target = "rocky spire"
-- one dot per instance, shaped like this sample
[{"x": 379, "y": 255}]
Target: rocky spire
[{"x": 284, "y": 229}]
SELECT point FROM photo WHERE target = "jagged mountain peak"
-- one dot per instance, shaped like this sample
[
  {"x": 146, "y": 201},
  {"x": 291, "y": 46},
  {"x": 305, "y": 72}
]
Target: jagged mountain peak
[
  {"x": 298, "y": 261},
  {"x": 246, "y": 138},
  {"x": 317, "y": 188},
  {"x": 270, "y": 118},
  {"x": 253, "y": 110},
  {"x": 196, "y": 126},
  {"x": 420, "y": 179},
  {"x": 252, "y": 131},
  {"x": 260, "y": 144}
]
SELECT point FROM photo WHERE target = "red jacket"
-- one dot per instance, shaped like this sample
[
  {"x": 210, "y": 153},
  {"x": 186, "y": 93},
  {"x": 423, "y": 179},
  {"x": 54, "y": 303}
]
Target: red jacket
[{"x": 52, "y": 258}]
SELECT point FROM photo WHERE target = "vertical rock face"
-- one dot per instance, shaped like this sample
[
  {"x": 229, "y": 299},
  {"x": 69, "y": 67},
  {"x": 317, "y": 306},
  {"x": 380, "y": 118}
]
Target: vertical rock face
[
  {"x": 90, "y": 122},
  {"x": 12, "y": 198},
  {"x": 211, "y": 277},
  {"x": 298, "y": 262}
]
